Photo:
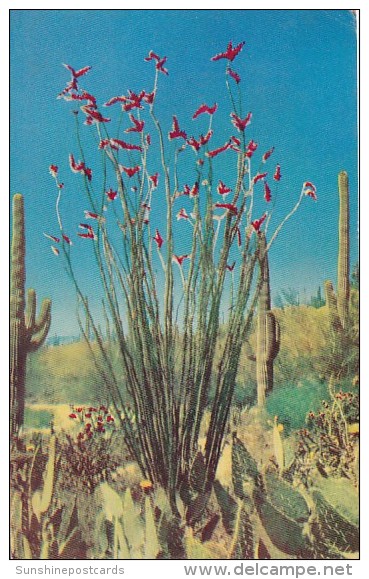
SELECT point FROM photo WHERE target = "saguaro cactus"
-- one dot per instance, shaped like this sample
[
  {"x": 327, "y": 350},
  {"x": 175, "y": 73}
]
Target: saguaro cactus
[
  {"x": 26, "y": 332},
  {"x": 338, "y": 306},
  {"x": 268, "y": 331}
]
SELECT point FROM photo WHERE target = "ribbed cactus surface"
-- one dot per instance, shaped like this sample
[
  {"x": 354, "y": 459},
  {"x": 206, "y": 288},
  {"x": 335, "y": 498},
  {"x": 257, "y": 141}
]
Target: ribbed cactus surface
[
  {"x": 27, "y": 333},
  {"x": 338, "y": 305},
  {"x": 343, "y": 289},
  {"x": 268, "y": 332}
]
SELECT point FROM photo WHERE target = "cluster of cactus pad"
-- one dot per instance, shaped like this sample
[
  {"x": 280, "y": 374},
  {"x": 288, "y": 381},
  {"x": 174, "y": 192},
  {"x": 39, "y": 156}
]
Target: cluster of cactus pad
[
  {"x": 338, "y": 305},
  {"x": 263, "y": 515},
  {"x": 283, "y": 521},
  {"x": 27, "y": 333}
]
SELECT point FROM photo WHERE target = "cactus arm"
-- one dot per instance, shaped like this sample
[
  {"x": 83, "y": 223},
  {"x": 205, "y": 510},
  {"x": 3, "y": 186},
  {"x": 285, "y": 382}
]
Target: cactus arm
[
  {"x": 30, "y": 314},
  {"x": 41, "y": 327},
  {"x": 331, "y": 300},
  {"x": 343, "y": 286},
  {"x": 44, "y": 317}
]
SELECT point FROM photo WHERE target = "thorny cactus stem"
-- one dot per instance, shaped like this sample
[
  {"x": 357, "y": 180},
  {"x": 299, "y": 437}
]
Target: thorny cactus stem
[
  {"x": 27, "y": 333},
  {"x": 268, "y": 331},
  {"x": 343, "y": 289},
  {"x": 338, "y": 305}
]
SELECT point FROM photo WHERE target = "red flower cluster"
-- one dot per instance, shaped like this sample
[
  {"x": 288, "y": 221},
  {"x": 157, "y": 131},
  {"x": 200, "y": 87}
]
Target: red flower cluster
[{"x": 93, "y": 420}]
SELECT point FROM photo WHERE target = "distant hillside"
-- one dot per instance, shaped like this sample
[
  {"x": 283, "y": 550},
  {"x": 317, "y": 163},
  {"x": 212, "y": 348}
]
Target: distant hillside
[{"x": 65, "y": 373}]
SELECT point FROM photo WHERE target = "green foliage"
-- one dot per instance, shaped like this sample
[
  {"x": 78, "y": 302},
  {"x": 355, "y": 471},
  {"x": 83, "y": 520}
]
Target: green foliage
[
  {"x": 291, "y": 403},
  {"x": 37, "y": 419}
]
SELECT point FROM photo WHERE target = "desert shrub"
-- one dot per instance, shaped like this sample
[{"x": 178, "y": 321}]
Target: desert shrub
[{"x": 292, "y": 402}]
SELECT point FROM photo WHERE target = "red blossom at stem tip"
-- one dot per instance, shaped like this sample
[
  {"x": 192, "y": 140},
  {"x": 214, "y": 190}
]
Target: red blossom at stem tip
[
  {"x": 179, "y": 259},
  {"x": 216, "y": 152},
  {"x": 251, "y": 148},
  {"x": 85, "y": 96},
  {"x": 205, "y": 140},
  {"x": 52, "y": 237},
  {"x": 137, "y": 125},
  {"x": 90, "y": 232},
  {"x": 205, "y": 109},
  {"x": 231, "y": 267},
  {"x": 230, "y": 206},
  {"x": 130, "y": 171},
  {"x": 124, "y": 145},
  {"x": 223, "y": 189},
  {"x": 133, "y": 101},
  {"x": 239, "y": 123},
  {"x": 114, "y": 100},
  {"x": 310, "y": 190},
  {"x": 158, "y": 239},
  {"x": 194, "y": 191},
  {"x": 277, "y": 175},
  {"x": 79, "y": 167},
  {"x": 231, "y": 52},
  {"x": 182, "y": 214},
  {"x": 152, "y": 56},
  {"x": 73, "y": 415},
  {"x": 234, "y": 75},
  {"x": 149, "y": 97},
  {"x": 267, "y": 192},
  {"x": 67, "y": 239},
  {"x": 159, "y": 61},
  {"x": 111, "y": 194},
  {"x": 53, "y": 170},
  {"x": 258, "y": 177},
  {"x": 259, "y": 222},
  {"x": 93, "y": 116},
  {"x": 267, "y": 155},
  {"x": 154, "y": 180},
  {"x": 176, "y": 132},
  {"x": 77, "y": 73},
  {"x": 193, "y": 143}
]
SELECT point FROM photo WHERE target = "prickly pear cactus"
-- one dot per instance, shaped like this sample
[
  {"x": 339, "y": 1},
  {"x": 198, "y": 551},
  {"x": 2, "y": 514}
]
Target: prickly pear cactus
[{"x": 27, "y": 333}]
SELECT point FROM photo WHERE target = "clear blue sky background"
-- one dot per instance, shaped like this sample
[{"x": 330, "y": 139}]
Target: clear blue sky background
[{"x": 298, "y": 72}]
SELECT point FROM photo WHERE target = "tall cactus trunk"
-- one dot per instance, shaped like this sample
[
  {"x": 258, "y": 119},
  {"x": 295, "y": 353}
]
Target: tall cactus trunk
[
  {"x": 268, "y": 338},
  {"x": 17, "y": 305},
  {"x": 338, "y": 306},
  {"x": 26, "y": 333},
  {"x": 343, "y": 287}
]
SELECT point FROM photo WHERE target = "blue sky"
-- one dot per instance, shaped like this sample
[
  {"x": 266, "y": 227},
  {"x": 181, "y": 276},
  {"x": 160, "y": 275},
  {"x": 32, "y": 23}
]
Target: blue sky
[{"x": 298, "y": 72}]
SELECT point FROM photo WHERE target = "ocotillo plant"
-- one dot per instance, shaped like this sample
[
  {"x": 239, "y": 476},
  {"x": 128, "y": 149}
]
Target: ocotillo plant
[
  {"x": 338, "y": 306},
  {"x": 170, "y": 369},
  {"x": 27, "y": 333},
  {"x": 268, "y": 331}
]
